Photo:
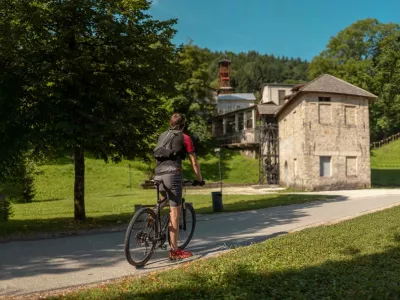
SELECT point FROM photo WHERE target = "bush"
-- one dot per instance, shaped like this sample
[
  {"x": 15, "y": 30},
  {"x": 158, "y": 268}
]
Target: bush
[
  {"x": 19, "y": 183},
  {"x": 5, "y": 209}
]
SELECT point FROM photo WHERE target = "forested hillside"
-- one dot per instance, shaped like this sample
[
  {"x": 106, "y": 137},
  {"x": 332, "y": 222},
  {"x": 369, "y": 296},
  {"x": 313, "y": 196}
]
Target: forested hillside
[{"x": 250, "y": 70}]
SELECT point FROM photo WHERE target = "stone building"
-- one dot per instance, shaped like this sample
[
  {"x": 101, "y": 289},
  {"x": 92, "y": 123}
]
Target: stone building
[{"x": 324, "y": 137}]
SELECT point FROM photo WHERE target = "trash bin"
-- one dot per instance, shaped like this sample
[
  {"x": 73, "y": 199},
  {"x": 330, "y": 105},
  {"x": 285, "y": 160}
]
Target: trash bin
[{"x": 217, "y": 201}]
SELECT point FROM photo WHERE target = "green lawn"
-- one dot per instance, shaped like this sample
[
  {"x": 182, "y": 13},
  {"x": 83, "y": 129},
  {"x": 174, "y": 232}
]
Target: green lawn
[
  {"x": 385, "y": 165},
  {"x": 110, "y": 201},
  {"x": 232, "y": 166},
  {"x": 356, "y": 259},
  {"x": 57, "y": 179}
]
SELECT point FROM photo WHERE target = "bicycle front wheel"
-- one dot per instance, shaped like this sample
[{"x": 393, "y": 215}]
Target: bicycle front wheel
[
  {"x": 187, "y": 224},
  {"x": 140, "y": 237}
]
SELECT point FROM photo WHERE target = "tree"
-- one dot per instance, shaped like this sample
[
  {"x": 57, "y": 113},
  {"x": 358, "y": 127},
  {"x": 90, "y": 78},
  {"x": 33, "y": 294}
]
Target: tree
[
  {"x": 86, "y": 76},
  {"x": 195, "y": 98},
  {"x": 386, "y": 110},
  {"x": 366, "y": 54}
]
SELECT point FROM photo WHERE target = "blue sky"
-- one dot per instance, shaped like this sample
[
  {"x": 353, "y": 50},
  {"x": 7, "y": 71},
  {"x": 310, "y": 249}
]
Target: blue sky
[{"x": 280, "y": 27}]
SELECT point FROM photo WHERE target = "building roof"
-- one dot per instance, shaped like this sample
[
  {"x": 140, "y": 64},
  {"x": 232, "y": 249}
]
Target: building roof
[
  {"x": 233, "y": 112},
  {"x": 277, "y": 84},
  {"x": 268, "y": 109},
  {"x": 330, "y": 85},
  {"x": 224, "y": 59},
  {"x": 237, "y": 96}
]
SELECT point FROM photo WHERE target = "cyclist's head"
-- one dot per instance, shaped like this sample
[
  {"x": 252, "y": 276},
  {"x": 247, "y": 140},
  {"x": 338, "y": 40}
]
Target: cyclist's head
[{"x": 177, "y": 121}]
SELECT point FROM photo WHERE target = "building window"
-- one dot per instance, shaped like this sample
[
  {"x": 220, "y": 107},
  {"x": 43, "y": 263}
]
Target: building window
[
  {"x": 324, "y": 99},
  {"x": 238, "y": 106},
  {"x": 325, "y": 113},
  {"x": 325, "y": 166},
  {"x": 249, "y": 120},
  {"x": 350, "y": 115},
  {"x": 281, "y": 95},
  {"x": 229, "y": 108},
  {"x": 351, "y": 166},
  {"x": 241, "y": 122}
]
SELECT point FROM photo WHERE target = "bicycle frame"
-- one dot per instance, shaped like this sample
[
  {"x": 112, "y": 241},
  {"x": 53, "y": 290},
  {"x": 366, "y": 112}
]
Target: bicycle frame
[{"x": 157, "y": 235}]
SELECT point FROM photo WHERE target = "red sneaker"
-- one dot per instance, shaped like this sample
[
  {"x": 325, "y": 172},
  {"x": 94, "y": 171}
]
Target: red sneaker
[{"x": 179, "y": 254}]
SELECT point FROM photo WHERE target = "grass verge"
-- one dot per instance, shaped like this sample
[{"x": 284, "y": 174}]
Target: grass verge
[
  {"x": 112, "y": 210},
  {"x": 356, "y": 259},
  {"x": 385, "y": 165}
]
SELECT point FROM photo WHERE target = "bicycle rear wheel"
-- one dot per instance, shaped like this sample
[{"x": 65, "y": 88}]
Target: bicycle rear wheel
[
  {"x": 187, "y": 224},
  {"x": 140, "y": 237}
]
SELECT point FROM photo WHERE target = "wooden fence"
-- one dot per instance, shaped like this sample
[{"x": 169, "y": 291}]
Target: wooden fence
[{"x": 389, "y": 139}]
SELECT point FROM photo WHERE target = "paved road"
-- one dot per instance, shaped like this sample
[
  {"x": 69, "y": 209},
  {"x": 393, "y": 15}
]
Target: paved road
[{"x": 33, "y": 266}]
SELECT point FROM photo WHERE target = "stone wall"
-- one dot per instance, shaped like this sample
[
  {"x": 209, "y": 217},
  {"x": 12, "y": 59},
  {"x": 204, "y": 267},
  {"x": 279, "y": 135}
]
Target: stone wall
[{"x": 291, "y": 141}]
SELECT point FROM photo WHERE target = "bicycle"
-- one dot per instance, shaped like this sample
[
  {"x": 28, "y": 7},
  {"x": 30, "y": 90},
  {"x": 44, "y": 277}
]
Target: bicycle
[{"x": 152, "y": 228}]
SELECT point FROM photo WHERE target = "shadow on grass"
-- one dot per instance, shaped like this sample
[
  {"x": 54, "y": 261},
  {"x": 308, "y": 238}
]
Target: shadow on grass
[
  {"x": 26, "y": 228},
  {"x": 61, "y": 158},
  {"x": 385, "y": 177},
  {"x": 29, "y": 227},
  {"x": 121, "y": 195},
  {"x": 373, "y": 276},
  {"x": 47, "y": 200}
]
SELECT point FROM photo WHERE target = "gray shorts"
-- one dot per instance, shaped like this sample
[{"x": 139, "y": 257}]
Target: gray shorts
[{"x": 171, "y": 188}]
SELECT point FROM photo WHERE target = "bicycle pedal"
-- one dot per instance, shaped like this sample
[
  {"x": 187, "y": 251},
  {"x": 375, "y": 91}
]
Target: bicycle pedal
[{"x": 163, "y": 247}]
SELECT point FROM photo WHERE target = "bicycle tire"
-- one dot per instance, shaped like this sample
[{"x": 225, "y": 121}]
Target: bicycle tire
[
  {"x": 189, "y": 208},
  {"x": 136, "y": 220}
]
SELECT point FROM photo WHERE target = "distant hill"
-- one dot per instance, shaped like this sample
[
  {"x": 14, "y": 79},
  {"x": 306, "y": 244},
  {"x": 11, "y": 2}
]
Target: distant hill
[{"x": 251, "y": 69}]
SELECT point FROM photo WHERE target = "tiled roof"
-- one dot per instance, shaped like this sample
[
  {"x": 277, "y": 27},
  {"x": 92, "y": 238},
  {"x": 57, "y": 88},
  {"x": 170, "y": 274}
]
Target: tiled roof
[
  {"x": 268, "y": 109},
  {"x": 330, "y": 84},
  {"x": 237, "y": 96}
]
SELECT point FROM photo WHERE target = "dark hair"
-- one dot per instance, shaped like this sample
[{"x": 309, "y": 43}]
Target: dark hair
[{"x": 177, "y": 121}]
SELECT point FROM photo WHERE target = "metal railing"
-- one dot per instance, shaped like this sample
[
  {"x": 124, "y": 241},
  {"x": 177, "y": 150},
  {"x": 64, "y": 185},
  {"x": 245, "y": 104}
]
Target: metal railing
[{"x": 241, "y": 137}]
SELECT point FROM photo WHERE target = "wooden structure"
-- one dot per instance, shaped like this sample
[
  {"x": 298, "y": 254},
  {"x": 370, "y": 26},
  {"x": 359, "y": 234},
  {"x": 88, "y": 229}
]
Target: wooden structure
[{"x": 225, "y": 76}]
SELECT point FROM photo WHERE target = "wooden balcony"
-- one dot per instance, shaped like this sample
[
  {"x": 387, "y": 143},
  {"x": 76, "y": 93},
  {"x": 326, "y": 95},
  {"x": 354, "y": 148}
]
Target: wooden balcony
[{"x": 242, "y": 139}]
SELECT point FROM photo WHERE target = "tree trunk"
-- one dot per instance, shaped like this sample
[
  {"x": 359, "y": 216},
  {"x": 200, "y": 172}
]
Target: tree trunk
[{"x": 79, "y": 187}]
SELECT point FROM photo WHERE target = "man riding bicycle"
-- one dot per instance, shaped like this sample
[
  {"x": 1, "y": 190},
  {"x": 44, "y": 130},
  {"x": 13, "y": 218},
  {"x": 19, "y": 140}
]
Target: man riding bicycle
[{"x": 172, "y": 147}]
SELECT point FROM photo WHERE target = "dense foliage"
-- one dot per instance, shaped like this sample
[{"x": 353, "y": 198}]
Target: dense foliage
[{"x": 84, "y": 76}]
